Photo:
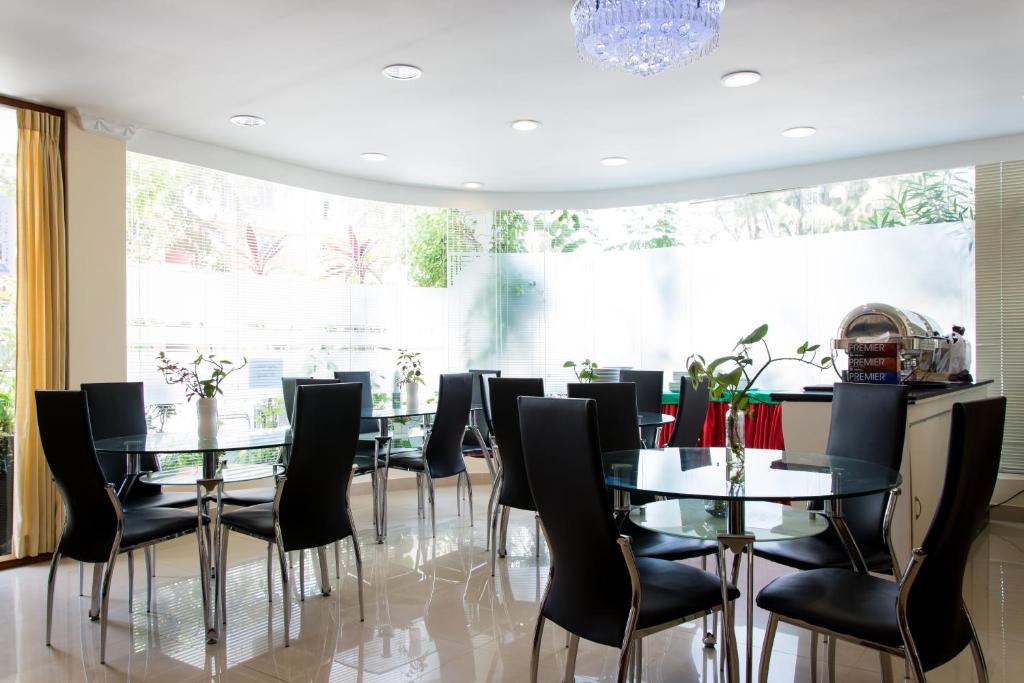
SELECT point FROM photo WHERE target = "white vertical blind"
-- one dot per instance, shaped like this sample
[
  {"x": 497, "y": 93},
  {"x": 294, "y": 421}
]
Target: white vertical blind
[{"x": 1000, "y": 295}]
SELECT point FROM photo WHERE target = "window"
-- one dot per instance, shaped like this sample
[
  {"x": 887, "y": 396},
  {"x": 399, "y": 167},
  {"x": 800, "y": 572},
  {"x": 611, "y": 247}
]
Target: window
[{"x": 8, "y": 309}]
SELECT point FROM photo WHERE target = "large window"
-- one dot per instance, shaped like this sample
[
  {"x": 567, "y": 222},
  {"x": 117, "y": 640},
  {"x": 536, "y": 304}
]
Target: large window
[
  {"x": 8, "y": 309},
  {"x": 303, "y": 283}
]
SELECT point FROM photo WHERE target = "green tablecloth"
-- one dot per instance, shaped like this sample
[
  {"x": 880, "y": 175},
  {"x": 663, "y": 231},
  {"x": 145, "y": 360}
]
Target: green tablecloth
[{"x": 671, "y": 398}]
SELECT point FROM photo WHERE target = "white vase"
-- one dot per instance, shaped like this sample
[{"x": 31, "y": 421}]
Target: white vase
[
  {"x": 206, "y": 409},
  {"x": 412, "y": 394}
]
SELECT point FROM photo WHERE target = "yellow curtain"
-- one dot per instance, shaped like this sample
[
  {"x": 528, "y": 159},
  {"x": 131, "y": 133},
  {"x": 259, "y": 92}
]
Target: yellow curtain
[{"x": 42, "y": 324}]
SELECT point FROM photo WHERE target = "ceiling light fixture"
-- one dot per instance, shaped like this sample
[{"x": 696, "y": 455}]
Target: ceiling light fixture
[
  {"x": 248, "y": 120},
  {"x": 374, "y": 156},
  {"x": 614, "y": 161},
  {"x": 472, "y": 185},
  {"x": 525, "y": 125},
  {"x": 645, "y": 38},
  {"x": 402, "y": 72},
  {"x": 800, "y": 132},
  {"x": 740, "y": 79}
]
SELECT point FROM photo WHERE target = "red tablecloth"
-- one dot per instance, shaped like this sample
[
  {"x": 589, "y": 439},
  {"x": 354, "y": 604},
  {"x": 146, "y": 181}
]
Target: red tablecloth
[{"x": 763, "y": 426}]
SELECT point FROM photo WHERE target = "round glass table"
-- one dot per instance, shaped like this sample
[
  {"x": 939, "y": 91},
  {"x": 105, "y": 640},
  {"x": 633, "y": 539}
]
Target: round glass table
[
  {"x": 767, "y": 476},
  {"x": 654, "y": 419}
]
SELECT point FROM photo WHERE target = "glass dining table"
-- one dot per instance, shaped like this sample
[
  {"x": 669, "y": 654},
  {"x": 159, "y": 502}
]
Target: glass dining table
[{"x": 769, "y": 476}]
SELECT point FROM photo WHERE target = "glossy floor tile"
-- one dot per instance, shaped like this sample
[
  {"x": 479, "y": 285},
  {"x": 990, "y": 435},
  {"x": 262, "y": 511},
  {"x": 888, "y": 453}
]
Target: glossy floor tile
[{"x": 433, "y": 613}]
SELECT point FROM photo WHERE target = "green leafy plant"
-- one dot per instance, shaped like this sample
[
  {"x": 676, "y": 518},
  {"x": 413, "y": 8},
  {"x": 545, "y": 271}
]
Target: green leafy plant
[
  {"x": 187, "y": 374},
  {"x": 267, "y": 414},
  {"x": 410, "y": 369},
  {"x": 732, "y": 377},
  {"x": 427, "y": 249},
  {"x": 585, "y": 371},
  {"x": 6, "y": 413},
  {"x": 924, "y": 199}
]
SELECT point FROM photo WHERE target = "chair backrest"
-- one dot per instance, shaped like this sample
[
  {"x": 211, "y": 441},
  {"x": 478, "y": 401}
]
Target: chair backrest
[
  {"x": 482, "y": 422},
  {"x": 485, "y": 401},
  {"x": 315, "y": 503},
  {"x": 288, "y": 389},
  {"x": 616, "y": 412},
  {"x": 650, "y": 385},
  {"x": 693, "y": 411},
  {"x": 119, "y": 409},
  {"x": 939, "y": 623},
  {"x": 443, "y": 450},
  {"x": 589, "y": 592},
  {"x": 90, "y": 517},
  {"x": 367, "y": 424},
  {"x": 295, "y": 383},
  {"x": 869, "y": 422},
  {"x": 504, "y": 405}
]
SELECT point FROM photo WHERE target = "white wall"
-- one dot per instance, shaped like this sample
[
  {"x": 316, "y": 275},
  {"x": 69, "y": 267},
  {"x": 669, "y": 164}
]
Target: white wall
[{"x": 97, "y": 315}]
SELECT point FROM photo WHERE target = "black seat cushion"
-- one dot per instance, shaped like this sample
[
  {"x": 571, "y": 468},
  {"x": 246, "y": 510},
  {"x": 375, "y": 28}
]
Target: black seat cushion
[
  {"x": 161, "y": 499},
  {"x": 257, "y": 520},
  {"x": 840, "y": 600},
  {"x": 665, "y": 546},
  {"x": 151, "y": 524},
  {"x": 407, "y": 460},
  {"x": 824, "y": 550},
  {"x": 669, "y": 590},
  {"x": 248, "y": 497}
]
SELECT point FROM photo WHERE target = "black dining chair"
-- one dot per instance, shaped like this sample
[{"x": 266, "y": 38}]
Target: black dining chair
[
  {"x": 97, "y": 528},
  {"x": 512, "y": 484},
  {"x": 598, "y": 589},
  {"x": 650, "y": 385},
  {"x": 692, "y": 412},
  {"x": 922, "y": 617},
  {"x": 478, "y": 420},
  {"x": 441, "y": 455},
  {"x": 618, "y": 418},
  {"x": 311, "y": 506},
  {"x": 119, "y": 409}
]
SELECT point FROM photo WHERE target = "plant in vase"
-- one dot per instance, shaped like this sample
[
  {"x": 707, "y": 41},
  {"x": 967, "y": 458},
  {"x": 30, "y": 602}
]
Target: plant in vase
[
  {"x": 410, "y": 374},
  {"x": 206, "y": 390},
  {"x": 732, "y": 378},
  {"x": 586, "y": 372}
]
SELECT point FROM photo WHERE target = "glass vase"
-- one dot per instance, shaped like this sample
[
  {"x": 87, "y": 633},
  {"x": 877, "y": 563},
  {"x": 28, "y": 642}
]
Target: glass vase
[{"x": 735, "y": 445}]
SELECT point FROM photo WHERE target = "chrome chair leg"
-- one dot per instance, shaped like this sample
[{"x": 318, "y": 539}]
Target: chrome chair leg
[
  {"x": 97, "y": 582},
  {"x": 153, "y": 568},
  {"x": 147, "y": 554},
  {"x": 81, "y": 579},
  {"x": 536, "y": 534},
  {"x": 359, "y": 569},
  {"x": 302, "y": 575},
  {"x": 469, "y": 492},
  {"x": 458, "y": 495},
  {"x": 51, "y": 584},
  {"x": 433, "y": 514},
  {"x": 831, "y": 660},
  {"x": 502, "y": 539},
  {"x": 538, "y": 634},
  {"x": 570, "y": 659},
  {"x": 325, "y": 574},
  {"x": 270, "y": 573},
  {"x": 766, "y": 647},
  {"x": 421, "y": 509},
  {"x": 492, "y": 499},
  {"x": 105, "y": 603},
  {"x": 638, "y": 659},
  {"x": 222, "y": 573},
  {"x": 626, "y": 654},
  {"x": 885, "y": 662},
  {"x": 131, "y": 581},
  {"x": 337, "y": 559},
  {"x": 814, "y": 657},
  {"x": 285, "y": 597},
  {"x": 493, "y": 533},
  {"x": 708, "y": 636}
]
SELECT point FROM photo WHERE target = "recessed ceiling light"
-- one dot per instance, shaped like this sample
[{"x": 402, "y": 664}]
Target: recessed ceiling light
[
  {"x": 472, "y": 185},
  {"x": 614, "y": 161},
  {"x": 738, "y": 79},
  {"x": 525, "y": 125},
  {"x": 374, "y": 156},
  {"x": 800, "y": 132},
  {"x": 402, "y": 72},
  {"x": 248, "y": 120}
]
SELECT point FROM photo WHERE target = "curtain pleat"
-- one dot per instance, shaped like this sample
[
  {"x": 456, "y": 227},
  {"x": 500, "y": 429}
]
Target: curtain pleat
[{"x": 42, "y": 322}]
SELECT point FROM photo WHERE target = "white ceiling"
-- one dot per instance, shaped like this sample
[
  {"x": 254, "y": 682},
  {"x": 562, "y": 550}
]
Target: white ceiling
[{"x": 874, "y": 76}]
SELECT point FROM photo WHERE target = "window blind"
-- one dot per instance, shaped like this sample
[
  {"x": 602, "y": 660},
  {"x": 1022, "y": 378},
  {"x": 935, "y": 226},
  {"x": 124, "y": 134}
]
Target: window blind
[{"x": 1000, "y": 295}]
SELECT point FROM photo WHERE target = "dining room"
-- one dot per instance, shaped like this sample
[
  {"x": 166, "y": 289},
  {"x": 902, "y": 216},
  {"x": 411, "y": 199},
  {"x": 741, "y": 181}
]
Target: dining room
[{"x": 603, "y": 340}]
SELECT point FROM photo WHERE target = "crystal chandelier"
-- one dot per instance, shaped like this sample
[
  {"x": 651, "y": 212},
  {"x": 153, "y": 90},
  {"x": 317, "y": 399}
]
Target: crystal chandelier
[{"x": 645, "y": 37}]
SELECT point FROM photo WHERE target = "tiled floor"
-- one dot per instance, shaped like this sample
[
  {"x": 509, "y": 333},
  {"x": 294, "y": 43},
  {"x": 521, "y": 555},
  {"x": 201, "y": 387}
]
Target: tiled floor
[{"x": 433, "y": 613}]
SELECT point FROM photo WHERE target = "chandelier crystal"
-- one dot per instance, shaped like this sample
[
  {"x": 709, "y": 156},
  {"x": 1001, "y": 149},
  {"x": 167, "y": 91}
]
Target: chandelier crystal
[{"x": 645, "y": 37}]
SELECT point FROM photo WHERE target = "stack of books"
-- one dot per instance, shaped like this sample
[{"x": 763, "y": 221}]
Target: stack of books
[{"x": 874, "y": 362}]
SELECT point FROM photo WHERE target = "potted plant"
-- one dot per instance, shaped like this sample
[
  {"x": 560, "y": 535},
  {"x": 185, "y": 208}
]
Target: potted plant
[
  {"x": 205, "y": 389},
  {"x": 731, "y": 378},
  {"x": 410, "y": 374},
  {"x": 586, "y": 372}
]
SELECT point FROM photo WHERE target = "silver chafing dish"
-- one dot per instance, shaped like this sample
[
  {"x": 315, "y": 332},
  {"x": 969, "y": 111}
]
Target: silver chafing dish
[{"x": 920, "y": 340}]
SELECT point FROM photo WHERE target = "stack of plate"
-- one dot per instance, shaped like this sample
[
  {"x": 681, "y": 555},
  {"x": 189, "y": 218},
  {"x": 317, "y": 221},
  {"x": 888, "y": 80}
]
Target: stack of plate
[
  {"x": 678, "y": 377},
  {"x": 608, "y": 374}
]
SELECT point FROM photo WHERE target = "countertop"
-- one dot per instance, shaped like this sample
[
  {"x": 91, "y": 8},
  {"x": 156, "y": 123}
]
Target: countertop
[{"x": 821, "y": 395}]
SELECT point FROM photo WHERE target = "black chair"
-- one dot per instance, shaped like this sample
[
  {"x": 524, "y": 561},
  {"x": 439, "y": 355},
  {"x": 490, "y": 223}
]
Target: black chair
[
  {"x": 512, "y": 485},
  {"x": 869, "y": 422},
  {"x": 650, "y": 386},
  {"x": 693, "y": 411},
  {"x": 311, "y": 507},
  {"x": 923, "y": 616},
  {"x": 597, "y": 588},
  {"x": 441, "y": 455},
  {"x": 119, "y": 409},
  {"x": 478, "y": 420},
  {"x": 96, "y": 527},
  {"x": 617, "y": 412}
]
